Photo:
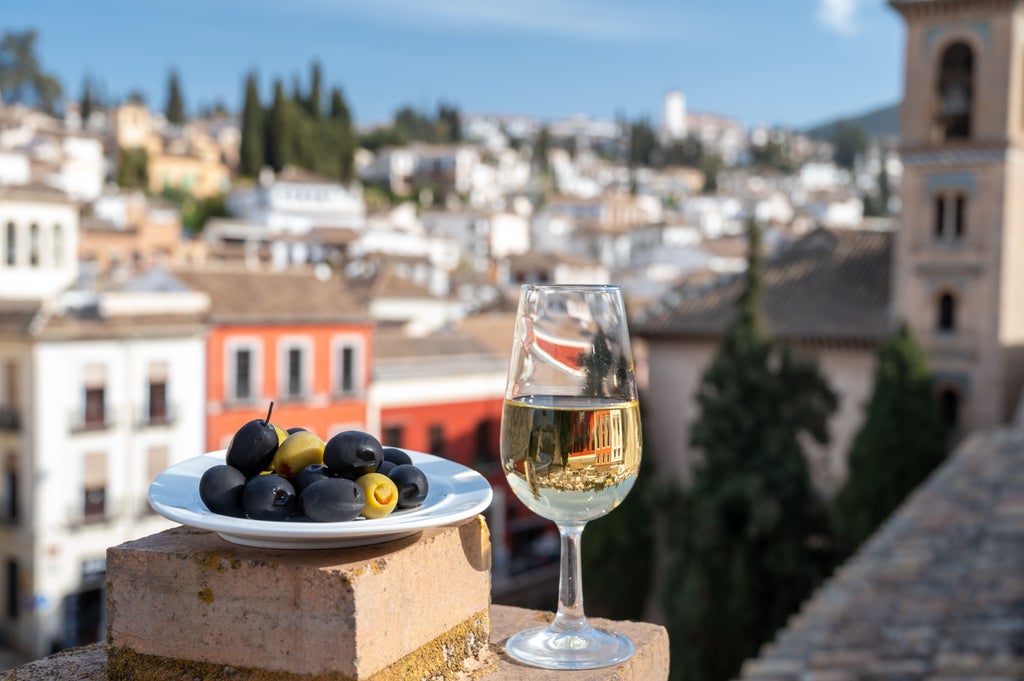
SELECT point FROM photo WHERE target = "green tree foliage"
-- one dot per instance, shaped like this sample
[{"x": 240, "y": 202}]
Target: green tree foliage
[
  {"x": 133, "y": 168},
  {"x": 711, "y": 164},
  {"x": 195, "y": 212},
  {"x": 87, "y": 102},
  {"x": 617, "y": 551},
  {"x": 22, "y": 78},
  {"x": 342, "y": 121},
  {"x": 901, "y": 442},
  {"x": 175, "y": 110},
  {"x": 877, "y": 204},
  {"x": 752, "y": 539},
  {"x": 314, "y": 105},
  {"x": 685, "y": 152},
  {"x": 410, "y": 125},
  {"x": 288, "y": 132},
  {"x": 773, "y": 155},
  {"x": 643, "y": 143},
  {"x": 251, "y": 152},
  {"x": 849, "y": 140},
  {"x": 449, "y": 124},
  {"x": 541, "y": 147},
  {"x": 279, "y": 129}
]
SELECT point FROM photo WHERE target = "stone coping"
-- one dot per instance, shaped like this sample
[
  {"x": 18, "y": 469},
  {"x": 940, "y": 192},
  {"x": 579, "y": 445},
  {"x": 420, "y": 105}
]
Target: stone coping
[{"x": 650, "y": 663}]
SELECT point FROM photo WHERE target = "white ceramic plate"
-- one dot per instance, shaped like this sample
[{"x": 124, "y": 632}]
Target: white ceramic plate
[{"x": 455, "y": 493}]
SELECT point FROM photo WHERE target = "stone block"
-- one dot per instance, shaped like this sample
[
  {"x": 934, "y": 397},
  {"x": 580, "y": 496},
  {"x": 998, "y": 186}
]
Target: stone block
[{"x": 186, "y": 602}]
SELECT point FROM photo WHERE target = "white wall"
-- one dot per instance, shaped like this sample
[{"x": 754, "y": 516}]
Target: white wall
[{"x": 54, "y": 507}]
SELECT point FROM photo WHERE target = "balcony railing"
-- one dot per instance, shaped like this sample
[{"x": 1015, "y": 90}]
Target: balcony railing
[
  {"x": 81, "y": 421},
  {"x": 154, "y": 416}
]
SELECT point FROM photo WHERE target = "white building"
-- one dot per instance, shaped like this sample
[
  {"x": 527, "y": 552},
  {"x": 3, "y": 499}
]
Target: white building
[
  {"x": 295, "y": 201},
  {"x": 675, "y": 115},
  {"x": 99, "y": 391},
  {"x": 38, "y": 241},
  {"x": 95, "y": 406}
]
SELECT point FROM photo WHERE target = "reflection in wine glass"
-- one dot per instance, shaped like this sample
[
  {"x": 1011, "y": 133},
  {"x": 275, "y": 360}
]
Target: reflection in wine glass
[{"x": 570, "y": 446}]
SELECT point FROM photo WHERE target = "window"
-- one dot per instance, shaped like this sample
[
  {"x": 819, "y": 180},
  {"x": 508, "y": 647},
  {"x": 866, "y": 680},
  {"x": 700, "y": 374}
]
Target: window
[
  {"x": 33, "y": 245},
  {"x": 949, "y": 407},
  {"x": 435, "y": 438},
  {"x": 960, "y": 203},
  {"x": 486, "y": 437},
  {"x": 295, "y": 374},
  {"x": 346, "y": 376},
  {"x": 392, "y": 436},
  {"x": 13, "y": 597},
  {"x": 11, "y": 239},
  {"x": 157, "y": 403},
  {"x": 94, "y": 487},
  {"x": 11, "y": 502},
  {"x": 947, "y": 312},
  {"x": 58, "y": 245},
  {"x": 950, "y": 216},
  {"x": 243, "y": 374},
  {"x": 294, "y": 370},
  {"x": 10, "y": 418},
  {"x": 95, "y": 408},
  {"x": 95, "y": 412},
  {"x": 955, "y": 92}
]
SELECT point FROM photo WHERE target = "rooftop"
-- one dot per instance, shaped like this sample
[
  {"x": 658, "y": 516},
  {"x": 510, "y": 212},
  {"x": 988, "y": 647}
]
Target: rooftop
[
  {"x": 241, "y": 296},
  {"x": 937, "y": 593},
  {"x": 831, "y": 285}
]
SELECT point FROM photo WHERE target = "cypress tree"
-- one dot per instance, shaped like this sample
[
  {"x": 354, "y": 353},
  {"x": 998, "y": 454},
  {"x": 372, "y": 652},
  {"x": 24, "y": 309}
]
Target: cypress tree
[
  {"x": 901, "y": 442},
  {"x": 617, "y": 550},
  {"x": 87, "y": 102},
  {"x": 339, "y": 108},
  {"x": 251, "y": 154},
  {"x": 341, "y": 118},
  {"x": 277, "y": 129},
  {"x": 175, "y": 111},
  {"x": 746, "y": 549},
  {"x": 313, "y": 104}
]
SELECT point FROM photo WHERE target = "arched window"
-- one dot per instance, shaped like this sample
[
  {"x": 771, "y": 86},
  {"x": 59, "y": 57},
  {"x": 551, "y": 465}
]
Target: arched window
[
  {"x": 955, "y": 91},
  {"x": 949, "y": 407},
  {"x": 947, "y": 312}
]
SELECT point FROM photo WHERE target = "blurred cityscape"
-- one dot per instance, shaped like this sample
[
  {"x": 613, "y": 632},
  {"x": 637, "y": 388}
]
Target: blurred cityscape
[{"x": 165, "y": 275}]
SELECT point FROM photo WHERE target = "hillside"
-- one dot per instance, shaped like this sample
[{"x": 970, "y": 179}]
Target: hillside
[{"x": 883, "y": 122}]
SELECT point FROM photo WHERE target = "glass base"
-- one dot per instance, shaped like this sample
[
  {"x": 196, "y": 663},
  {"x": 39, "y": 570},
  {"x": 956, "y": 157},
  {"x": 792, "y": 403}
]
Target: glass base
[{"x": 587, "y": 648}]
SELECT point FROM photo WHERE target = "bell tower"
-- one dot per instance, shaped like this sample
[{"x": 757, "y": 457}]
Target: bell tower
[{"x": 959, "y": 268}]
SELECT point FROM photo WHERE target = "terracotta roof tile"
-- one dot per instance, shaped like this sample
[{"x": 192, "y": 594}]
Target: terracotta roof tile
[
  {"x": 937, "y": 593},
  {"x": 830, "y": 285},
  {"x": 260, "y": 296}
]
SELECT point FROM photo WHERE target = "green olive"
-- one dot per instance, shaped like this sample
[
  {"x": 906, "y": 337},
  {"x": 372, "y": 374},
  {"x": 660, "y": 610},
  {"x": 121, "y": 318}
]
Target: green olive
[
  {"x": 298, "y": 450},
  {"x": 381, "y": 495}
]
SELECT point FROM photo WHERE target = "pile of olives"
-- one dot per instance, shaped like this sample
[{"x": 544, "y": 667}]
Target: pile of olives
[{"x": 276, "y": 474}]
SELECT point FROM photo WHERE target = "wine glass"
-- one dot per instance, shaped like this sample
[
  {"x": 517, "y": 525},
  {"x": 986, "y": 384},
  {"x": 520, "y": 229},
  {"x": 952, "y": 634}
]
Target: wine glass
[{"x": 570, "y": 446}]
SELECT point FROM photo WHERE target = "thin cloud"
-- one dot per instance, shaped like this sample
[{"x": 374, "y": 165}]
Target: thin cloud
[
  {"x": 580, "y": 19},
  {"x": 839, "y": 15}
]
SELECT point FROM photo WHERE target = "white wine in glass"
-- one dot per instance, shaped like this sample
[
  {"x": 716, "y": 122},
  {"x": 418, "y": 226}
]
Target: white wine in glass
[{"x": 570, "y": 446}]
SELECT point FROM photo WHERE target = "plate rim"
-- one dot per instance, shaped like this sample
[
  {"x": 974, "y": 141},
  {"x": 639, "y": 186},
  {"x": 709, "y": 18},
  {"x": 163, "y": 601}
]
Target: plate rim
[{"x": 193, "y": 513}]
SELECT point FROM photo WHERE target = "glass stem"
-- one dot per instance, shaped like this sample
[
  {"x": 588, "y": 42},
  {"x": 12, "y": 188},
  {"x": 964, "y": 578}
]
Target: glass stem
[{"x": 570, "y": 616}]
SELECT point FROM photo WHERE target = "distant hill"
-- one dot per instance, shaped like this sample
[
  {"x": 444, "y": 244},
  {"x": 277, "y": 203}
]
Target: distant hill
[{"x": 884, "y": 122}]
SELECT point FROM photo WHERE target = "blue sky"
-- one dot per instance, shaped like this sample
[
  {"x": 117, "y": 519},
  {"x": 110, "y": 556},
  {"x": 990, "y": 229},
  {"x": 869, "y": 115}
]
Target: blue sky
[{"x": 789, "y": 62}]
